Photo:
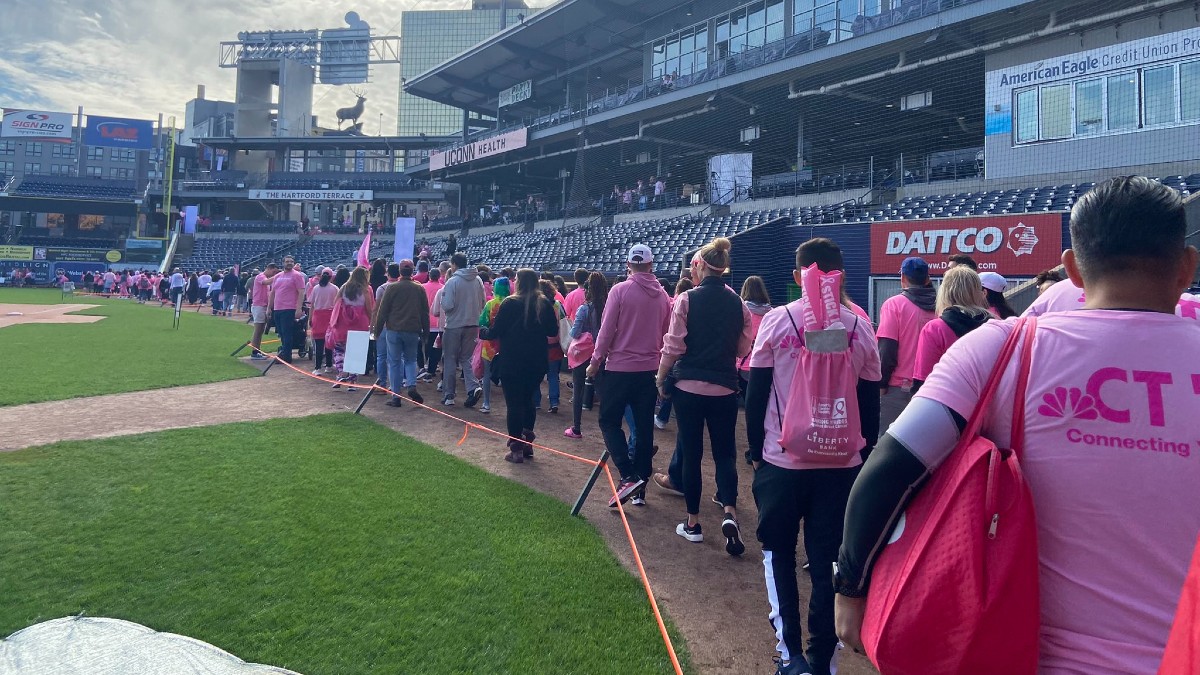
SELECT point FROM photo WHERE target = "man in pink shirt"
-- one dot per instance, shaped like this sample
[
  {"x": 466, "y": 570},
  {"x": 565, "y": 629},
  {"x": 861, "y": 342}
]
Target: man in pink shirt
[
  {"x": 635, "y": 319},
  {"x": 578, "y": 297},
  {"x": 287, "y": 296},
  {"x": 790, "y": 490},
  {"x": 901, "y": 319},
  {"x": 1109, "y": 447},
  {"x": 260, "y": 295}
]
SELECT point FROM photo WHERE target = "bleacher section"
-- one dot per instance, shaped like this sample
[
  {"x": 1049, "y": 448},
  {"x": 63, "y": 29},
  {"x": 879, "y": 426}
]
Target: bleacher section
[
  {"x": 603, "y": 247},
  {"x": 251, "y": 226},
  {"x": 336, "y": 180},
  {"x": 72, "y": 187},
  {"x": 213, "y": 253}
]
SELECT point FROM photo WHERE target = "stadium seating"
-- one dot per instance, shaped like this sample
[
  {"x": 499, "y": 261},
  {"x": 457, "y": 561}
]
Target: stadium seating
[
  {"x": 253, "y": 226},
  {"x": 382, "y": 181},
  {"x": 103, "y": 189},
  {"x": 213, "y": 253},
  {"x": 216, "y": 181}
]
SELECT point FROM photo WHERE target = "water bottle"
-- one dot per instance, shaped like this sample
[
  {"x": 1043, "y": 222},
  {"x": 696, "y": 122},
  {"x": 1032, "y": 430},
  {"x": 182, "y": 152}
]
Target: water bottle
[{"x": 589, "y": 392}]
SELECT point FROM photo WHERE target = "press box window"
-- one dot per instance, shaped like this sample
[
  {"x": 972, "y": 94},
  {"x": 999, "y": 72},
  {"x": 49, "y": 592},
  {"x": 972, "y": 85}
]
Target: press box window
[
  {"x": 1027, "y": 116},
  {"x": 1159, "y": 86},
  {"x": 1089, "y": 107},
  {"x": 1055, "y": 108},
  {"x": 1122, "y": 102}
]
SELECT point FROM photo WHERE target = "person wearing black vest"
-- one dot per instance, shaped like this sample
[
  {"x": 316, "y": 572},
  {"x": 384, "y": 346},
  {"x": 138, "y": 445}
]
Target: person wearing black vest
[{"x": 710, "y": 329}]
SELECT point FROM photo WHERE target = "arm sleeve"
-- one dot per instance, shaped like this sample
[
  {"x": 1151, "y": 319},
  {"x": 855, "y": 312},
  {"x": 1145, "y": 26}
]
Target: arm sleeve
[
  {"x": 885, "y": 486},
  {"x": 673, "y": 340},
  {"x": 758, "y": 394},
  {"x": 868, "y": 413},
  {"x": 746, "y": 340},
  {"x": 380, "y": 315},
  {"x": 608, "y": 322},
  {"x": 889, "y": 355},
  {"x": 447, "y": 294},
  {"x": 550, "y": 320}
]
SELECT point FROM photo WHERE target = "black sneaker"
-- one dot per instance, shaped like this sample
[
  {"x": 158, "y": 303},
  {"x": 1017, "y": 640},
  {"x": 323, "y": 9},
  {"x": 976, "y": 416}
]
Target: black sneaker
[
  {"x": 395, "y": 403},
  {"x": 473, "y": 397},
  {"x": 798, "y": 666},
  {"x": 639, "y": 499},
  {"x": 625, "y": 490},
  {"x": 733, "y": 537},
  {"x": 693, "y": 534},
  {"x": 415, "y": 395}
]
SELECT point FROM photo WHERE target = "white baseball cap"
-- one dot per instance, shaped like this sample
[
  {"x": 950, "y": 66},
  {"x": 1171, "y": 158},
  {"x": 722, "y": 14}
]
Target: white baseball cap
[
  {"x": 640, "y": 253},
  {"x": 993, "y": 281}
]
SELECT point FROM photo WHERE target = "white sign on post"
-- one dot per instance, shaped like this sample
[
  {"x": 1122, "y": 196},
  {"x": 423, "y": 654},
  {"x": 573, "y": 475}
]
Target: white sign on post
[
  {"x": 406, "y": 238},
  {"x": 355, "y": 360}
]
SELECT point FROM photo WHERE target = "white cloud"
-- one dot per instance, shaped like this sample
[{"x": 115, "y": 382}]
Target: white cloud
[{"x": 139, "y": 58}]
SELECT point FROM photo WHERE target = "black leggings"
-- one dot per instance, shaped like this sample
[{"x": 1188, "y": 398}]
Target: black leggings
[
  {"x": 518, "y": 398},
  {"x": 432, "y": 354},
  {"x": 692, "y": 413},
  {"x": 319, "y": 351}
]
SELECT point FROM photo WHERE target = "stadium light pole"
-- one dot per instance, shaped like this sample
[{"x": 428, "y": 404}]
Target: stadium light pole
[{"x": 170, "y": 174}]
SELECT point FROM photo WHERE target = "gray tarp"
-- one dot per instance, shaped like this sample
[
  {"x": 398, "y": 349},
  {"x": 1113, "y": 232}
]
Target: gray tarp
[{"x": 98, "y": 646}]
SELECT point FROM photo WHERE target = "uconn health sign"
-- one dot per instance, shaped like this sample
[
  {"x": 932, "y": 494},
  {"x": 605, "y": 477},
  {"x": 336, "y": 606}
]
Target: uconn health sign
[{"x": 444, "y": 159}]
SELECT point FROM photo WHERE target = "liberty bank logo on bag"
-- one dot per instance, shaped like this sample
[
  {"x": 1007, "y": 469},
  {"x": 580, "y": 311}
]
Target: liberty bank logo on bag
[{"x": 1133, "y": 399}]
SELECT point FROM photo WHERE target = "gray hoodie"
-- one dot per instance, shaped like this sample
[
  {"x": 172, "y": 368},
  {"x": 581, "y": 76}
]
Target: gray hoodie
[{"x": 462, "y": 299}]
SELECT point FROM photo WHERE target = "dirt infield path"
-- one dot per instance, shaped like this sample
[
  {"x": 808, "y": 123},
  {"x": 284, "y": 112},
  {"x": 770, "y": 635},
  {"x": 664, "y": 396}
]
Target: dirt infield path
[
  {"x": 13, "y": 315},
  {"x": 718, "y": 602}
]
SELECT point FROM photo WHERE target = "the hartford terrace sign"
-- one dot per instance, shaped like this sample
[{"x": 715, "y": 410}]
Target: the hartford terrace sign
[
  {"x": 512, "y": 140},
  {"x": 314, "y": 195}
]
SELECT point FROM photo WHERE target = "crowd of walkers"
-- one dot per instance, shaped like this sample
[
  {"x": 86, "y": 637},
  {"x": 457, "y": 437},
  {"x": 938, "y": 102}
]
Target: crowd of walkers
[{"x": 845, "y": 422}]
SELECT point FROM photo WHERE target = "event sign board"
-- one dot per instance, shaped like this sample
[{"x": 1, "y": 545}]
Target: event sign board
[
  {"x": 66, "y": 254},
  {"x": 406, "y": 238},
  {"x": 118, "y": 132},
  {"x": 355, "y": 360},
  {"x": 512, "y": 140},
  {"x": 313, "y": 195},
  {"x": 1014, "y": 245},
  {"x": 35, "y": 124}
]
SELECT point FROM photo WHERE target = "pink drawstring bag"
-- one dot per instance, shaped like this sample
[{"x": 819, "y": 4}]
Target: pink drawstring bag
[
  {"x": 580, "y": 350},
  {"x": 477, "y": 360},
  {"x": 821, "y": 423}
]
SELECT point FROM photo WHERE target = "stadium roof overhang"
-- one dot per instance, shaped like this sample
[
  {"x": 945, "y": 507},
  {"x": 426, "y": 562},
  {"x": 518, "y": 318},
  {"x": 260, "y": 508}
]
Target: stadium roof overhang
[
  {"x": 328, "y": 142},
  {"x": 567, "y": 37}
]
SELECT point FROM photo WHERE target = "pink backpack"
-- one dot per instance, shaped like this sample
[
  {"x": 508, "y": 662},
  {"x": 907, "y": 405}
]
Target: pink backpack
[{"x": 821, "y": 423}]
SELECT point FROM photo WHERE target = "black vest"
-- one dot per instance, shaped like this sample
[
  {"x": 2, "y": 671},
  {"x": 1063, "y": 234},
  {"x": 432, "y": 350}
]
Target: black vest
[{"x": 714, "y": 326}]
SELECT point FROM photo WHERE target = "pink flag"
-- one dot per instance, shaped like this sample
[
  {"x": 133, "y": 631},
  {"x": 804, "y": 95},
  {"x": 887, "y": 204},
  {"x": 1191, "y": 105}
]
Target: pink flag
[{"x": 362, "y": 259}]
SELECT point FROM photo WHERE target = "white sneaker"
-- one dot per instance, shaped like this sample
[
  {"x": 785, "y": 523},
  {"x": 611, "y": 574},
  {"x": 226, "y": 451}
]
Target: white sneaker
[
  {"x": 485, "y": 409},
  {"x": 659, "y": 424},
  {"x": 439, "y": 386}
]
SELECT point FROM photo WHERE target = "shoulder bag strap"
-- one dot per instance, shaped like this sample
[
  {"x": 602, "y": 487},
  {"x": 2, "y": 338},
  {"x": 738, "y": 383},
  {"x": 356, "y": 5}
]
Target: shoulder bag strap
[
  {"x": 778, "y": 412},
  {"x": 1017, "y": 440},
  {"x": 993, "y": 383}
]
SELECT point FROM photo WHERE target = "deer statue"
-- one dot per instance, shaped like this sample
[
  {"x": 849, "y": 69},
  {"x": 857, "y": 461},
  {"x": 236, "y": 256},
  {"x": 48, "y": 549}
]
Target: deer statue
[{"x": 353, "y": 112}]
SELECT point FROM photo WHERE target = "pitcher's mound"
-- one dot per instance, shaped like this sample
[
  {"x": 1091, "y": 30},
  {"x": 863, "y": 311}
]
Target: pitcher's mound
[
  {"x": 99, "y": 646},
  {"x": 19, "y": 314}
]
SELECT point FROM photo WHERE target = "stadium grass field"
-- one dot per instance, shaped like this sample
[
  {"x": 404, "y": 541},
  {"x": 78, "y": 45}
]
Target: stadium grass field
[
  {"x": 326, "y": 544},
  {"x": 133, "y": 349}
]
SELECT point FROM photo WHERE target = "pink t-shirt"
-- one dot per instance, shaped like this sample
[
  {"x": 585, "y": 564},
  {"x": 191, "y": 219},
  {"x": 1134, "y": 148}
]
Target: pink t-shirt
[
  {"x": 902, "y": 321},
  {"x": 1065, "y": 296},
  {"x": 936, "y": 338},
  {"x": 431, "y": 291},
  {"x": 574, "y": 300},
  {"x": 288, "y": 288},
  {"x": 261, "y": 291},
  {"x": 1111, "y": 456},
  {"x": 778, "y": 346}
]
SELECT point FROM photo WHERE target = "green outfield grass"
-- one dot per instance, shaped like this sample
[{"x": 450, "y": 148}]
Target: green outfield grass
[
  {"x": 327, "y": 544},
  {"x": 134, "y": 348}
]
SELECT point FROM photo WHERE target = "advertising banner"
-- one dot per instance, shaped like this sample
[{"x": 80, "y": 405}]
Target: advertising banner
[
  {"x": 1020, "y": 245},
  {"x": 143, "y": 250},
  {"x": 513, "y": 140},
  {"x": 118, "y": 132},
  {"x": 314, "y": 195},
  {"x": 16, "y": 253},
  {"x": 62, "y": 254},
  {"x": 35, "y": 124}
]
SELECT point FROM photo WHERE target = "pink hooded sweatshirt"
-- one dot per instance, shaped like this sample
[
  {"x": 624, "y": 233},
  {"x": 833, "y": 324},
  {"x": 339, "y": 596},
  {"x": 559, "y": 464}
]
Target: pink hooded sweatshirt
[{"x": 636, "y": 317}]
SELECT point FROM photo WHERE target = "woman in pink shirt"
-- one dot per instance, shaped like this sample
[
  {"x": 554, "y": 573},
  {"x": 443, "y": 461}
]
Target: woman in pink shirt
[
  {"x": 321, "y": 299},
  {"x": 758, "y": 301},
  {"x": 710, "y": 328},
  {"x": 351, "y": 311},
  {"x": 961, "y": 308}
]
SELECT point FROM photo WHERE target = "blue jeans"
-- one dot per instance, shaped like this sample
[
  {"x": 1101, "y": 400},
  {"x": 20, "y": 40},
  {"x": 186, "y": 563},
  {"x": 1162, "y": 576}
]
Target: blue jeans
[
  {"x": 664, "y": 411},
  {"x": 555, "y": 387},
  {"x": 285, "y": 326},
  {"x": 401, "y": 358},
  {"x": 632, "y": 430},
  {"x": 381, "y": 360}
]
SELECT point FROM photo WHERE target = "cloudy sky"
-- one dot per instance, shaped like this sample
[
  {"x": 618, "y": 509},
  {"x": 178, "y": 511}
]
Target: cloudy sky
[{"x": 139, "y": 58}]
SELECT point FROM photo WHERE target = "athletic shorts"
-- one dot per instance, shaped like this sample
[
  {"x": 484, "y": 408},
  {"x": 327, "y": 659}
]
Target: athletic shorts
[{"x": 258, "y": 314}]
